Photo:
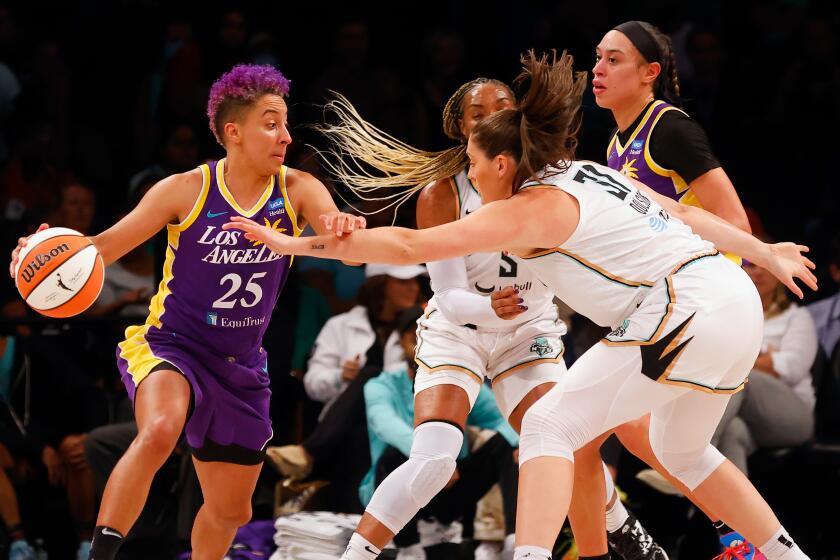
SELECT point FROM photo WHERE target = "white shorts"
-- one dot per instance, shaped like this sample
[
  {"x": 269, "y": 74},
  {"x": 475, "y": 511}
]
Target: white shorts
[
  {"x": 514, "y": 360},
  {"x": 690, "y": 344},
  {"x": 689, "y": 335}
]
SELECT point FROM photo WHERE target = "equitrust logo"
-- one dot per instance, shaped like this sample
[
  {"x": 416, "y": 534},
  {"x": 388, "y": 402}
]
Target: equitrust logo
[{"x": 38, "y": 262}]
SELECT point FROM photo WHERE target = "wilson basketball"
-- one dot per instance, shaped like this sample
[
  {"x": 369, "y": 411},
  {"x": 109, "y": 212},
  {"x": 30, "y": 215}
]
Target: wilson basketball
[{"x": 59, "y": 272}]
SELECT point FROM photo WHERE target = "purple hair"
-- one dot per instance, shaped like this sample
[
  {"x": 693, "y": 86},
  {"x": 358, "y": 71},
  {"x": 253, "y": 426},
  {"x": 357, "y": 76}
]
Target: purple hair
[{"x": 241, "y": 87}]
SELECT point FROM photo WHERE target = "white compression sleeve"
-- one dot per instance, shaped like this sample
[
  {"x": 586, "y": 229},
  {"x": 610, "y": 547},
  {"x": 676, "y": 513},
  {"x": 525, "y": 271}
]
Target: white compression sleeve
[{"x": 454, "y": 299}]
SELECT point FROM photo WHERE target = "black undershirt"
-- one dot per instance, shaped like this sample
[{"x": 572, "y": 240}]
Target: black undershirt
[{"x": 677, "y": 143}]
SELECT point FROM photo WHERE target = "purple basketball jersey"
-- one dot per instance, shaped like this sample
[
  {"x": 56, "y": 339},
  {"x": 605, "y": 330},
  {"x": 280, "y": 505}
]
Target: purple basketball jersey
[
  {"x": 209, "y": 316},
  {"x": 218, "y": 287},
  {"x": 635, "y": 161}
]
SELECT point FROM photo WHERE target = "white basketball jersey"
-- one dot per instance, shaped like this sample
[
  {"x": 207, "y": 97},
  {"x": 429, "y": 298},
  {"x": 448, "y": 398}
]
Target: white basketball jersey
[
  {"x": 624, "y": 243},
  {"x": 487, "y": 272}
]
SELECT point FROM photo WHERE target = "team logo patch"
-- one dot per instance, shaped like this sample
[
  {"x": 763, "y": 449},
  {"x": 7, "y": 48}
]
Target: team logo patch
[
  {"x": 621, "y": 330},
  {"x": 637, "y": 144},
  {"x": 541, "y": 347},
  {"x": 657, "y": 224},
  {"x": 212, "y": 318},
  {"x": 276, "y": 206}
]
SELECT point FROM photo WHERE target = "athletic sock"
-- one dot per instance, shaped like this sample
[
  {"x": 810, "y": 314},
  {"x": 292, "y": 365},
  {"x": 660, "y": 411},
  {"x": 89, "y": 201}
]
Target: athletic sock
[
  {"x": 531, "y": 553},
  {"x": 781, "y": 547},
  {"x": 616, "y": 516},
  {"x": 359, "y": 548}
]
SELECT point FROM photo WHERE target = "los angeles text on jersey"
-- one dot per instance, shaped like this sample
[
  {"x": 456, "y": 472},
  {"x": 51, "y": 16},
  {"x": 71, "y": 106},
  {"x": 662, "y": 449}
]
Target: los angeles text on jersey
[{"x": 221, "y": 254}]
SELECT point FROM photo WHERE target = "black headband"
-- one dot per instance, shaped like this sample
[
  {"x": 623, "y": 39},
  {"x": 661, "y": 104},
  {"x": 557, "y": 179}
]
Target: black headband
[{"x": 641, "y": 39}]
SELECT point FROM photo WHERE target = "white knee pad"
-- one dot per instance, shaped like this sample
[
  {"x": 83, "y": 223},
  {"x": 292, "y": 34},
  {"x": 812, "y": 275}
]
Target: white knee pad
[
  {"x": 430, "y": 465},
  {"x": 548, "y": 434},
  {"x": 690, "y": 468}
]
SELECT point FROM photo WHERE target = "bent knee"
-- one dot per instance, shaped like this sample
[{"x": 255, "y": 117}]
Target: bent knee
[
  {"x": 545, "y": 434},
  {"x": 160, "y": 436},
  {"x": 692, "y": 468},
  {"x": 230, "y": 515}
]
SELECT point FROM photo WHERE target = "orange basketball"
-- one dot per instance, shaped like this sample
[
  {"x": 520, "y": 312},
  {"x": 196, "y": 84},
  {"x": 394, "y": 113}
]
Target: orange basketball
[{"x": 59, "y": 272}]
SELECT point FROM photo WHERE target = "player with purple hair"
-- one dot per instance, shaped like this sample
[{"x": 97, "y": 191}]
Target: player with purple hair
[{"x": 196, "y": 366}]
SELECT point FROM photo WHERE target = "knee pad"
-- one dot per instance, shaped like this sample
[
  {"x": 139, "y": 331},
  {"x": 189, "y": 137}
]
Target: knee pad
[
  {"x": 429, "y": 467},
  {"x": 547, "y": 434},
  {"x": 690, "y": 468},
  {"x": 434, "y": 450}
]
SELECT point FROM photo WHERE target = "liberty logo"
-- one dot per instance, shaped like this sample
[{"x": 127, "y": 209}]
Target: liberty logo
[
  {"x": 212, "y": 318},
  {"x": 541, "y": 347},
  {"x": 61, "y": 284},
  {"x": 621, "y": 330}
]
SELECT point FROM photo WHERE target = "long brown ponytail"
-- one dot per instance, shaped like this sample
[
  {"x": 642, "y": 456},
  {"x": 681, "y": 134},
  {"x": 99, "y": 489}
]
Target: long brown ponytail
[{"x": 543, "y": 130}]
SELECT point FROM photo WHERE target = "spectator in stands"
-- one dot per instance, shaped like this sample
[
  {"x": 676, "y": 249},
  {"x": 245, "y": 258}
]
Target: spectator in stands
[
  {"x": 826, "y": 312},
  {"x": 76, "y": 207},
  {"x": 129, "y": 284},
  {"x": 776, "y": 407},
  {"x": 49, "y": 404},
  {"x": 351, "y": 348},
  {"x": 340, "y": 349},
  {"x": 389, "y": 400}
]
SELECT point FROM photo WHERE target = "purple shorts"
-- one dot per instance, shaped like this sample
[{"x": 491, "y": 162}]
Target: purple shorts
[{"x": 229, "y": 419}]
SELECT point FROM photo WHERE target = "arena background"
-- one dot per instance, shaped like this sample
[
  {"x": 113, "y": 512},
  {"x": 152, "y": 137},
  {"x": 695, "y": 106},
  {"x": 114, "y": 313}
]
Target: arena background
[{"x": 112, "y": 95}]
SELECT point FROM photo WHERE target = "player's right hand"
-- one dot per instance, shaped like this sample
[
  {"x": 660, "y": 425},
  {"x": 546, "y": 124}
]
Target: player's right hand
[
  {"x": 507, "y": 303},
  {"x": 21, "y": 244}
]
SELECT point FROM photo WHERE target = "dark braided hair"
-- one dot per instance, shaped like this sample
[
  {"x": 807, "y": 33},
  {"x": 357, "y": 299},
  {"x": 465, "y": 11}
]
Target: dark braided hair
[
  {"x": 453, "y": 112},
  {"x": 667, "y": 84}
]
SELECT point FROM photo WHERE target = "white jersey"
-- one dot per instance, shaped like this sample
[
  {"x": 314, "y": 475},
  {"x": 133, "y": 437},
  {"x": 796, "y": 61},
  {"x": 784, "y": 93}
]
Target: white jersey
[
  {"x": 623, "y": 244},
  {"x": 488, "y": 272}
]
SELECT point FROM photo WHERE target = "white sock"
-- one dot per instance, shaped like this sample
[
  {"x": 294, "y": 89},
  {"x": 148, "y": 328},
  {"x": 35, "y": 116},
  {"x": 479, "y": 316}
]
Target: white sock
[
  {"x": 781, "y": 546},
  {"x": 510, "y": 541},
  {"x": 360, "y": 549},
  {"x": 531, "y": 553},
  {"x": 616, "y": 515}
]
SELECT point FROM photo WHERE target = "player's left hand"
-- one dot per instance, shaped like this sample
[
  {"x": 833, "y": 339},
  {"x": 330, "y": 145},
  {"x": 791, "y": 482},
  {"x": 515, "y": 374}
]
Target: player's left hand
[
  {"x": 278, "y": 242},
  {"x": 787, "y": 262},
  {"x": 341, "y": 223},
  {"x": 507, "y": 303}
]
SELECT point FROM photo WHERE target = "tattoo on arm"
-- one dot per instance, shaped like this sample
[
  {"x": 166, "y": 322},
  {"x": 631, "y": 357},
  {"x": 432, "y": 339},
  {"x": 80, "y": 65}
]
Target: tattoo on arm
[{"x": 317, "y": 247}]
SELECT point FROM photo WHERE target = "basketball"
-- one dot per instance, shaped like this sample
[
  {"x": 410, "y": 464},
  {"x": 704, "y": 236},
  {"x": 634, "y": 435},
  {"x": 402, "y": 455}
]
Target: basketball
[{"x": 59, "y": 273}]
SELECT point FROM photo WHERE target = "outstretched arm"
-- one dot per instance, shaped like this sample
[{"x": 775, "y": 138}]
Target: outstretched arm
[
  {"x": 784, "y": 260},
  {"x": 506, "y": 224}
]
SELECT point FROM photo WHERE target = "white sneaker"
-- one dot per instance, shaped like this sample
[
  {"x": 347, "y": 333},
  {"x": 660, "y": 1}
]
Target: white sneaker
[
  {"x": 413, "y": 552},
  {"x": 488, "y": 550},
  {"x": 658, "y": 482}
]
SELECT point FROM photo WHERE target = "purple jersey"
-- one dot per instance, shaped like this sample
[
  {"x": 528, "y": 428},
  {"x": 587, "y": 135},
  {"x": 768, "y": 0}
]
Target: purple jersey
[
  {"x": 218, "y": 287},
  {"x": 634, "y": 159},
  {"x": 209, "y": 316}
]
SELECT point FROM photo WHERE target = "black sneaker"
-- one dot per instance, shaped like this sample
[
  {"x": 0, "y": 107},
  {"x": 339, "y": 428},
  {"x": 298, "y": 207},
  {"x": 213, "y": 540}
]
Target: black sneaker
[{"x": 632, "y": 542}]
